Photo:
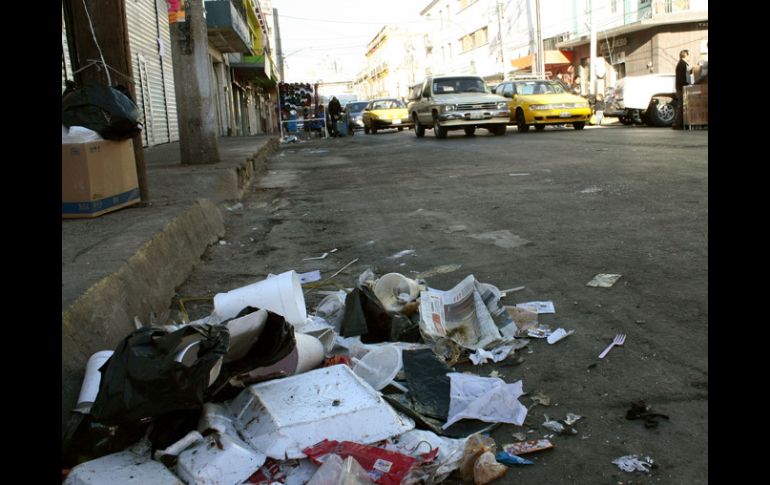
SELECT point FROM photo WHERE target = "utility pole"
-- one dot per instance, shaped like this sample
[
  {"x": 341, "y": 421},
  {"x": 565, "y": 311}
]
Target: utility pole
[
  {"x": 198, "y": 131},
  {"x": 107, "y": 43},
  {"x": 501, "y": 40},
  {"x": 540, "y": 52},
  {"x": 278, "y": 48},
  {"x": 592, "y": 64}
]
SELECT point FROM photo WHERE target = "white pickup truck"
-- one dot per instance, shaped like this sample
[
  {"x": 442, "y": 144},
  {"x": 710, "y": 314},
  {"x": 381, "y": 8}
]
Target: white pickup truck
[{"x": 647, "y": 99}]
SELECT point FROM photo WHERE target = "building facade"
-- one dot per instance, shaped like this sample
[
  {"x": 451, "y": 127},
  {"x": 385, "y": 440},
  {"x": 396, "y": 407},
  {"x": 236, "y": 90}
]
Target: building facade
[{"x": 241, "y": 69}]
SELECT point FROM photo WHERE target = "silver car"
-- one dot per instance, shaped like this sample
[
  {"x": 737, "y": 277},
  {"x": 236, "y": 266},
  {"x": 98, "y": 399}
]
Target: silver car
[
  {"x": 353, "y": 113},
  {"x": 461, "y": 102}
]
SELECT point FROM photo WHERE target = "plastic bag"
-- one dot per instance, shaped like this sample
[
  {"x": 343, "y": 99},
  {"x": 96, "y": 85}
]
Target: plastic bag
[
  {"x": 383, "y": 466},
  {"x": 332, "y": 309},
  {"x": 143, "y": 378},
  {"x": 107, "y": 110},
  {"x": 335, "y": 471},
  {"x": 489, "y": 399}
]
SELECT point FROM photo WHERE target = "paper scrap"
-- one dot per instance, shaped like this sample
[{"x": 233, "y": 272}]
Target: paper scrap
[
  {"x": 604, "y": 280},
  {"x": 538, "y": 306},
  {"x": 630, "y": 463},
  {"x": 310, "y": 276},
  {"x": 557, "y": 335}
]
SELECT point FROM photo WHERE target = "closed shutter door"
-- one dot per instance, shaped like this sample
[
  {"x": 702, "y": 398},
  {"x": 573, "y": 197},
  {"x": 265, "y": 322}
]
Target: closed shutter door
[{"x": 153, "y": 75}]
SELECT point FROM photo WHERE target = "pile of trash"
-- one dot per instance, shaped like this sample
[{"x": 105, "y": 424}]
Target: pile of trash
[{"x": 361, "y": 391}]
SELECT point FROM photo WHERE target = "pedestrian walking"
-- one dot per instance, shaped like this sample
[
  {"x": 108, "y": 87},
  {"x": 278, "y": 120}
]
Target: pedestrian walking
[{"x": 335, "y": 109}]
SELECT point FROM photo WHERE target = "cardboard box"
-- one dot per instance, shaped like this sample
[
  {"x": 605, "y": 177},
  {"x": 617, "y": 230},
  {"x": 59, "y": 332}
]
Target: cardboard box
[{"x": 97, "y": 177}]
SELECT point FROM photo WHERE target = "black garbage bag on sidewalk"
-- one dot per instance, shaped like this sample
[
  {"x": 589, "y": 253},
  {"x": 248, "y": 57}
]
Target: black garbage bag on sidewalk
[
  {"x": 142, "y": 379},
  {"x": 107, "y": 110}
]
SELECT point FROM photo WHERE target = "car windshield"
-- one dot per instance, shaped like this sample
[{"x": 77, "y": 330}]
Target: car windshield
[
  {"x": 459, "y": 85},
  {"x": 354, "y": 107},
  {"x": 387, "y": 104},
  {"x": 539, "y": 87}
]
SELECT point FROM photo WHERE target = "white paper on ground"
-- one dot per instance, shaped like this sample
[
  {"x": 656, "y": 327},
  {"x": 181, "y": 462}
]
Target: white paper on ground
[
  {"x": 487, "y": 399},
  {"x": 538, "y": 306},
  {"x": 469, "y": 314},
  {"x": 309, "y": 277},
  {"x": 497, "y": 354},
  {"x": 604, "y": 280},
  {"x": 558, "y": 334},
  {"x": 630, "y": 463}
]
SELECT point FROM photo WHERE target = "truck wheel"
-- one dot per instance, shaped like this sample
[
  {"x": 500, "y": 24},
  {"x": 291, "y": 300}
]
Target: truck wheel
[
  {"x": 419, "y": 130},
  {"x": 438, "y": 130},
  {"x": 660, "y": 113},
  {"x": 579, "y": 125},
  {"x": 470, "y": 130},
  {"x": 499, "y": 130}
]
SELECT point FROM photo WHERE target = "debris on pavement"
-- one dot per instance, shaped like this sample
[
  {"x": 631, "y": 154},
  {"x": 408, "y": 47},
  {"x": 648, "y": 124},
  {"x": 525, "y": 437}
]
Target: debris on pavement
[
  {"x": 281, "y": 417},
  {"x": 488, "y": 399},
  {"x": 604, "y": 280},
  {"x": 641, "y": 410},
  {"x": 383, "y": 466},
  {"x": 538, "y": 306},
  {"x": 361, "y": 391},
  {"x": 509, "y": 459},
  {"x": 445, "y": 314},
  {"x": 541, "y": 398},
  {"x": 530, "y": 446},
  {"x": 557, "y": 335},
  {"x": 631, "y": 463},
  {"x": 309, "y": 276}
]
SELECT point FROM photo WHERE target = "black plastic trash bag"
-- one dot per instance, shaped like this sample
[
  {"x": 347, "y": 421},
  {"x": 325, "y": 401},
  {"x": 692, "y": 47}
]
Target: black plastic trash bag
[
  {"x": 275, "y": 343},
  {"x": 107, "y": 110},
  {"x": 142, "y": 379}
]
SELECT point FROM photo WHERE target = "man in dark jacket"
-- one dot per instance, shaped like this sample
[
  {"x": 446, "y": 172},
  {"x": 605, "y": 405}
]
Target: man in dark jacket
[
  {"x": 334, "y": 114},
  {"x": 682, "y": 71}
]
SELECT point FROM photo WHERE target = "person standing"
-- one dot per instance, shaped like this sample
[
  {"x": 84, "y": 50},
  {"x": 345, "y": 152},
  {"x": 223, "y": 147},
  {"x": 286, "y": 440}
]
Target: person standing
[
  {"x": 334, "y": 114},
  {"x": 682, "y": 72}
]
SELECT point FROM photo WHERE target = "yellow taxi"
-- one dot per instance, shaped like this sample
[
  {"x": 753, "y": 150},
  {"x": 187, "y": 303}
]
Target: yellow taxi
[
  {"x": 539, "y": 102},
  {"x": 385, "y": 113}
]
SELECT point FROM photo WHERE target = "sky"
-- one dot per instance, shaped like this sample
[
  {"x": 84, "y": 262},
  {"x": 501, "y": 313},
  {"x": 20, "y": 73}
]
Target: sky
[{"x": 316, "y": 33}]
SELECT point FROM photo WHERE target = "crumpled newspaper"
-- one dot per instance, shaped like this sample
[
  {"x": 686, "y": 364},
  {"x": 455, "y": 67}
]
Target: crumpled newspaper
[{"x": 630, "y": 463}]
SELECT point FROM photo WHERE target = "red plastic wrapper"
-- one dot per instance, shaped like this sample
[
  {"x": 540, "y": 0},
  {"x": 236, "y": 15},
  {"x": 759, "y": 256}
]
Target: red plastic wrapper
[
  {"x": 383, "y": 466},
  {"x": 337, "y": 359}
]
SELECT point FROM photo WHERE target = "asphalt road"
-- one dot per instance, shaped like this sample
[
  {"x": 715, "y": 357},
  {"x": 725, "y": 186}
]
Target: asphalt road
[{"x": 545, "y": 210}]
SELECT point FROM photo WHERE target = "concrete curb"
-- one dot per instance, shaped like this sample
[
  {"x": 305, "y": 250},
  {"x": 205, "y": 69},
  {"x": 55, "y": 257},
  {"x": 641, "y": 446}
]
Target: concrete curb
[{"x": 104, "y": 314}]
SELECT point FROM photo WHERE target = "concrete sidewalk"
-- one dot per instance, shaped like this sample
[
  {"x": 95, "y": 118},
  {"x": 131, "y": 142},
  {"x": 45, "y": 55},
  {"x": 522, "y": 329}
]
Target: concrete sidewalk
[{"x": 128, "y": 263}]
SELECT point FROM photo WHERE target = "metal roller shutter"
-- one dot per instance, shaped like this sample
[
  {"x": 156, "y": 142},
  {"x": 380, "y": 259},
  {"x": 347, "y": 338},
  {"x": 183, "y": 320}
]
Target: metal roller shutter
[{"x": 153, "y": 73}]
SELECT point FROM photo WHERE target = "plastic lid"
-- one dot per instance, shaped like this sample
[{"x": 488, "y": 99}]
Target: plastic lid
[{"x": 379, "y": 366}]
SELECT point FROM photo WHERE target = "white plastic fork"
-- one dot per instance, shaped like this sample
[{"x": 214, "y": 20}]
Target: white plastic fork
[{"x": 618, "y": 340}]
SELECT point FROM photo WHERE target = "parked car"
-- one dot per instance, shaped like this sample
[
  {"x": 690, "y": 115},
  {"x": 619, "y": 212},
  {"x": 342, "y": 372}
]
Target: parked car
[
  {"x": 353, "y": 113},
  {"x": 541, "y": 102},
  {"x": 385, "y": 113},
  {"x": 456, "y": 103},
  {"x": 646, "y": 99}
]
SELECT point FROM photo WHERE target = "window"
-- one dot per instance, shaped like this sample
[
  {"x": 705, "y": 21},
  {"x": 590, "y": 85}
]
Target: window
[
  {"x": 474, "y": 40},
  {"x": 464, "y": 3},
  {"x": 614, "y": 6}
]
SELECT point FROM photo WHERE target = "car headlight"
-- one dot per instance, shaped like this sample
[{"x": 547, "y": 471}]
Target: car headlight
[
  {"x": 449, "y": 107},
  {"x": 502, "y": 105}
]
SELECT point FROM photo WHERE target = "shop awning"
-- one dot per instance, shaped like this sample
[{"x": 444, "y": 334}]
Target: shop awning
[{"x": 551, "y": 58}]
